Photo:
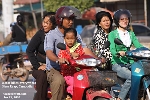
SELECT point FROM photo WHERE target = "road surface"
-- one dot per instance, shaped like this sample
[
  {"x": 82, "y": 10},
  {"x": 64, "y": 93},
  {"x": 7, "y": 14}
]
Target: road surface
[{"x": 14, "y": 89}]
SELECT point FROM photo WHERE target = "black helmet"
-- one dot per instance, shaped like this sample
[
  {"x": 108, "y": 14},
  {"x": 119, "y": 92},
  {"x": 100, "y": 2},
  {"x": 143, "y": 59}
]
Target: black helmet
[{"x": 118, "y": 13}]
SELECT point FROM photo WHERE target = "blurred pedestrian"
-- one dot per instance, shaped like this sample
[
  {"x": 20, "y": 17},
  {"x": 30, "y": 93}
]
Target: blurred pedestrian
[
  {"x": 16, "y": 37},
  {"x": 19, "y": 32}
]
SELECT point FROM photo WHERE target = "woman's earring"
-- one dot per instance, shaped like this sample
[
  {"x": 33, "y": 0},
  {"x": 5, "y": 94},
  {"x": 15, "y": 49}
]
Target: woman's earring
[{"x": 100, "y": 25}]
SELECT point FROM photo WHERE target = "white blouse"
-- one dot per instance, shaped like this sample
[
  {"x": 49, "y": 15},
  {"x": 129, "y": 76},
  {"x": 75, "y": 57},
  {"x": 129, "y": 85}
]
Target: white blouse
[{"x": 125, "y": 37}]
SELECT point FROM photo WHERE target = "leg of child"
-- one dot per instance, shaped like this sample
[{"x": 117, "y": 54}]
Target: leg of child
[{"x": 69, "y": 81}]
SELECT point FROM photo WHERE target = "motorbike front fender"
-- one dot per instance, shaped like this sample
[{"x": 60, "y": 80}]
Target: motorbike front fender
[
  {"x": 136, "y": 75},
  {"x": 101, "y": 93}
]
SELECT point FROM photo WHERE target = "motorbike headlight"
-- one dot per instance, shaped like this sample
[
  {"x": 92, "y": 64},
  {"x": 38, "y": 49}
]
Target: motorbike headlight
[
  {"x": 80, "y": 77},
  {"x": 88, "y": 62},
  {"x": 143, "y": 53}
]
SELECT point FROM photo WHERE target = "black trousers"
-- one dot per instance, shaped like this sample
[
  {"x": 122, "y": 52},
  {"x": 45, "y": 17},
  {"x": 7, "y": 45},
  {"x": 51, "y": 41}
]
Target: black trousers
[{"x": 41, "y": 84}]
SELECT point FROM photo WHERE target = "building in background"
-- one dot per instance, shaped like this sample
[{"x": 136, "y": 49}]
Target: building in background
[{"x": 140, "y": 9}]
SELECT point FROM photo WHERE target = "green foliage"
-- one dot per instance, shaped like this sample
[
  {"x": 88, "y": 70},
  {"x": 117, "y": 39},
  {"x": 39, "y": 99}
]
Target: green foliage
[{"x": 53, "y": 5}]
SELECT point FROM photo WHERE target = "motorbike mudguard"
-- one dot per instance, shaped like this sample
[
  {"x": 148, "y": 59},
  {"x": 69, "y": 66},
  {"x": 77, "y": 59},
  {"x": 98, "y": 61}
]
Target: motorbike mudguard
[{"x": 102, "y": 94}]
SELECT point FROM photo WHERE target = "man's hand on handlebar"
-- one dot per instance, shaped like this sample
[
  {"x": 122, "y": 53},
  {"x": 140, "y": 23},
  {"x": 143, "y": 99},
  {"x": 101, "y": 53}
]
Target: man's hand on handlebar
[{"x": 62, "y": 61}]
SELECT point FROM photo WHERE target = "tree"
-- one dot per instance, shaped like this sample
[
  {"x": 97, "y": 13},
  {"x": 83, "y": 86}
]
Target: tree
[{"x": 53, "y": 5}]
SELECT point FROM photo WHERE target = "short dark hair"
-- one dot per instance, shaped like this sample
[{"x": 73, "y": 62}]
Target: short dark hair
[
  {"x": 73, "y": 30},
  {"x": 20, "y": 17},
  {"x": 51, "y": 16}
]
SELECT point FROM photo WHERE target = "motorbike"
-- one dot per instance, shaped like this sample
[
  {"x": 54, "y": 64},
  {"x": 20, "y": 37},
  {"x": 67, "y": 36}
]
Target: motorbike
[
  {"x": 19, "y": 63},
  {"x": 140, "y": 72},
  {"x": 89, "y": 82}
]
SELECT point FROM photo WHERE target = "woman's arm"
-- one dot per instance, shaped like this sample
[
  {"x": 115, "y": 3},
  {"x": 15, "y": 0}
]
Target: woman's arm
[
  {"x": 89, "y": 52},
  {"x": 49, "y": 47},
  {"x": 32, "y": 47},
  {"x": 112, "y": 44},
  {"x": 135, "y": 41}
]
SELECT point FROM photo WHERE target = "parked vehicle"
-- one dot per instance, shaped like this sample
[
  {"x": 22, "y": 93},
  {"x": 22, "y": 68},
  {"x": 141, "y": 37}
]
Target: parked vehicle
[
  {"x": 140, "y": 72},
  {"x": 141, "y": 31},
  {"x": 21, "y": 66}
]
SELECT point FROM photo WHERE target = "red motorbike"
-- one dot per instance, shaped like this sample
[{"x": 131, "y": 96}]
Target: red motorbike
[{"x": 89, "y": 82}]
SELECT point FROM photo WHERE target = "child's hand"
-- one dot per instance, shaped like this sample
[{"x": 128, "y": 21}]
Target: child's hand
[{"x": 74, "y": 55}]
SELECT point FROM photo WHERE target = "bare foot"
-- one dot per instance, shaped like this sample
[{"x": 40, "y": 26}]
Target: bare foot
[
  {"x": 8, "y": 69},
  {"x": 68, "y": 98}
]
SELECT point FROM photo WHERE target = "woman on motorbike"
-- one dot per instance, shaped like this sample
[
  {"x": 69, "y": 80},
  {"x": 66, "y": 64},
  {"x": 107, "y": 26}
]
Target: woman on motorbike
[
  {"x": 104, "y": 26},
  {"x": 120, "y": 63},
  {"x": 37, "y": 55}
]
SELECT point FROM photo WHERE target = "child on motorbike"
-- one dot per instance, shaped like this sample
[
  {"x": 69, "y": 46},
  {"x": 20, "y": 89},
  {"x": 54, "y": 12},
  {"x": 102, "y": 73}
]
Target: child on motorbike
[
  {"x": 120, "y": 63},
  {"x": 73, "y": 51}
]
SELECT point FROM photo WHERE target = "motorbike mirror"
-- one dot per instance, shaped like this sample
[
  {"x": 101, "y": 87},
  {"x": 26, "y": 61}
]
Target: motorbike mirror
[
  {"x": 106, "y": 44},
  {"x": 61, "y": 46},
  {"x": 118, "y": 41},
  {"x": 93, "y": 40}
]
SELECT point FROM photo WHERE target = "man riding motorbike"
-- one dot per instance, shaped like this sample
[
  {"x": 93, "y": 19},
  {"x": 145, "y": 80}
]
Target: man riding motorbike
[{"x": 64, "y": 19}]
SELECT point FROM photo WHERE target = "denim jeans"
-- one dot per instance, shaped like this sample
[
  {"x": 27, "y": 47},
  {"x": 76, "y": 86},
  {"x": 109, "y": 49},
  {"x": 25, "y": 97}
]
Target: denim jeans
[{"x": 123, "y": 72}]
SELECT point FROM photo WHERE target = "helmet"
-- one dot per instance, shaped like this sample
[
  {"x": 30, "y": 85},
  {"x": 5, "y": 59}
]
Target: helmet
[
  {"x": 66, "y": 11},
  {"x": 118, "y": 13}
]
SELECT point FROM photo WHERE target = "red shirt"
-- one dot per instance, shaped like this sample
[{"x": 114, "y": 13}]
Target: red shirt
[
  {"x": 66, "y": 53},
  {"x": 65, "y": 69}
]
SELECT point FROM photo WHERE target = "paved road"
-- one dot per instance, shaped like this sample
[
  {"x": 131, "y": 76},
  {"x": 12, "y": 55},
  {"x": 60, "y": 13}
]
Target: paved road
[{"x": 13, "y": 89}]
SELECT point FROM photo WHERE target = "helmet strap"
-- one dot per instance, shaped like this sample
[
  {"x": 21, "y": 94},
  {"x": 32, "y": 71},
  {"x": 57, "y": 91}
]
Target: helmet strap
[
  {"x": 123, "y": 27},
  {"x": 126, "y": 28},
  {"x": 61, "y": 24}
]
